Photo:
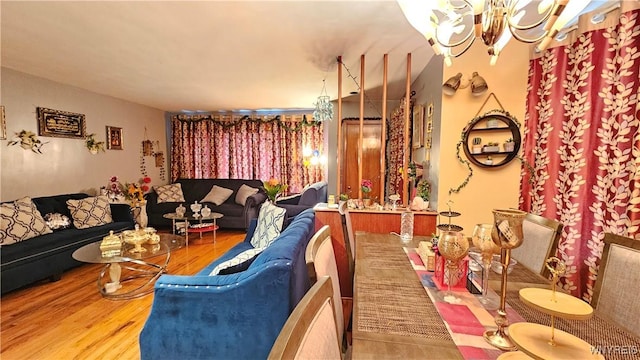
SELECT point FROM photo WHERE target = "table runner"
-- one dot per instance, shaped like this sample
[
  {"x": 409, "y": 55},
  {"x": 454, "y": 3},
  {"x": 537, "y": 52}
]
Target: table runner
[{"x": 466, "y": 321}]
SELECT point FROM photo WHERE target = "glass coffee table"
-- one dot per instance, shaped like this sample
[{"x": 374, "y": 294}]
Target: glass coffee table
[
  {"x": 135, "y": 262},
  {"x": 195, "y": 224}
]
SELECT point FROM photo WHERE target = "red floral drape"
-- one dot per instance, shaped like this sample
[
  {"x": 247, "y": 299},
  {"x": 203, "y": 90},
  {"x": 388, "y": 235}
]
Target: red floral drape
[
  {"x": 226, "y": 146},
  {"x": 582, "y": 139}
]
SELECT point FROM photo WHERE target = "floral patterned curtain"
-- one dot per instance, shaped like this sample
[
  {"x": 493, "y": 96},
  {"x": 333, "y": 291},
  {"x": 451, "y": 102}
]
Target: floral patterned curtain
[
  {"x": 395, "y": 149},
  {"x": 237, "y": 147},
  {"x": 582, "y": 139}
]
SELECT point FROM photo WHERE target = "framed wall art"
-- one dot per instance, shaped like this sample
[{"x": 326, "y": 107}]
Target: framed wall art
[
  {"x": 418, "y": 126},
  {"x": 58, "y": 123},
  {"x": 3, "y": 124},
  {"x": 114, "y": 138}
]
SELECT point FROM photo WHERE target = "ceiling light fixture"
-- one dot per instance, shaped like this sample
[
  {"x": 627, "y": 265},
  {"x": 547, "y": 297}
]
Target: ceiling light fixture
[
  {"x": 324, "y": 107},
  {"x": 478, "y": 85},
  {"x": 454, "y": 25}
]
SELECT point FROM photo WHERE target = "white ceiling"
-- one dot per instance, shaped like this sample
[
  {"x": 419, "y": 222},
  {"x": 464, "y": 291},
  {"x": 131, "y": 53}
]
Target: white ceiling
[{"x": 211, "y": 55}]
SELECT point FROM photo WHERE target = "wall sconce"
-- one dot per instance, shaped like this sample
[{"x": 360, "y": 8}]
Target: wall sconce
[
  {"x": 478, "y": 84},
  {"x": 312, "y": 157}
]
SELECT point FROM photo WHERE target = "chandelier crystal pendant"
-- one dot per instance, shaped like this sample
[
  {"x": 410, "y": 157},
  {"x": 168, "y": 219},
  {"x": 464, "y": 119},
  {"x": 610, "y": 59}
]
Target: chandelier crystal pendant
[
  {"x": 452, "y": 26},
  {"x": 324, "y": 107}
]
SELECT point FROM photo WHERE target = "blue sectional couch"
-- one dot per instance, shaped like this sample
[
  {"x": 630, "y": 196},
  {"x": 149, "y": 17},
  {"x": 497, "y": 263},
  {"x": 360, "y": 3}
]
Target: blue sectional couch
[
  {"x": 47, "y": 256},
  {"x": 236, "y": 316}
]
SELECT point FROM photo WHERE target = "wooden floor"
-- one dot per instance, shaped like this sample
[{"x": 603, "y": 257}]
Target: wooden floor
[{"x": 68, "y": 319}]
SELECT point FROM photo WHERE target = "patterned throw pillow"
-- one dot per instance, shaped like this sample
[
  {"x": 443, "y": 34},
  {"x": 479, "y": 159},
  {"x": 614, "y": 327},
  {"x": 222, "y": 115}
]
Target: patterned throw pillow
[
  {"x": 169, "y": 193},
  {"x": 243, "y": 193},
  {"x": 20, "y": 220},
  {"x": 270, "y": 221},
  {"x": 90, "y": 212},
  {"x": 217, "y": 195},
  {"x": 57, "y": 221},
  {"x": 239, "y": 263}
]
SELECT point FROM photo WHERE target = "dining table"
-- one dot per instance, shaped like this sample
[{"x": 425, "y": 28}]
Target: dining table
[{"x": 399, "y": 312}]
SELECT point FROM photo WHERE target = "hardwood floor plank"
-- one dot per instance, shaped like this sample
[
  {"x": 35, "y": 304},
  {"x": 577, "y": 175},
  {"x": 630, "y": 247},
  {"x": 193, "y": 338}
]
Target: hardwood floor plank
[{"x": 69, "y": 319}]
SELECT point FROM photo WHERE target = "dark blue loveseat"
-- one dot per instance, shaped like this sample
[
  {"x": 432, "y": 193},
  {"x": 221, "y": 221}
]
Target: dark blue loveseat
[
  {"x": 236, "y": 316},
  {"x": 47, "y": 256}
]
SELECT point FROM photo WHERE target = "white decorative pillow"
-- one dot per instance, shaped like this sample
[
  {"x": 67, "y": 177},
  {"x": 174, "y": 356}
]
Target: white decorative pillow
[
  {"x": 90, "y": 212},
  {"x": 20, "y": 220},
  {"x": 270, "y": 221},
  {"x": 169, "y": 193},
  {"x": 217, "y": 195},
  {"x": 243, "y": 194},
  {"x": 239, "y": 262}
]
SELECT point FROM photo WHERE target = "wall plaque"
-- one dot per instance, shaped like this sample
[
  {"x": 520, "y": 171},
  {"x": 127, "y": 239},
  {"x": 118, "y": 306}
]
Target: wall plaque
[{"x": 57, "y": 123}]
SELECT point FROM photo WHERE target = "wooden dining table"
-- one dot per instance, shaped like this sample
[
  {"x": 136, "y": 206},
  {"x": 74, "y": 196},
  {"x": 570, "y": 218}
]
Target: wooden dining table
[{"x": 394, "y": 317}]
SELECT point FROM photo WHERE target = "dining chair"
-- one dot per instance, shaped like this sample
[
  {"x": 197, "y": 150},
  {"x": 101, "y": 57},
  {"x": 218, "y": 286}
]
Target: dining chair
[
  {"x": 541, "y": 237},
  {"x": 321, "y": 261},
  {"x": 311, "y": 331},
  {"x": 618, "y": 282},
  {"x": 349, "y": 238}
]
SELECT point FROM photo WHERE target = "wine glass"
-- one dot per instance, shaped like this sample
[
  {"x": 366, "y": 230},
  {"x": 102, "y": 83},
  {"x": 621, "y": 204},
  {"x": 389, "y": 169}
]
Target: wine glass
[
  {"x": 481, "y": 238},
  {"x": 453, "y": 247}
]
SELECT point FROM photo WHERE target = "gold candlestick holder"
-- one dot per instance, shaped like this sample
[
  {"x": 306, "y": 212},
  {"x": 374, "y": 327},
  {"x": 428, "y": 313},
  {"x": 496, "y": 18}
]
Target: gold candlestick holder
[{"x": 506, "y": 233}]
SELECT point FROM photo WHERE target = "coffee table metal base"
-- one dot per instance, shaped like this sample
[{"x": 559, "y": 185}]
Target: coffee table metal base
[{"x": 145, "y": 270}]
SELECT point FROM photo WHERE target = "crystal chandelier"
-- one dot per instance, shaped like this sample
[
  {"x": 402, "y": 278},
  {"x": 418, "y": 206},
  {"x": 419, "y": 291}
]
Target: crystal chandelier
[
  {"x": 452, "y": 26},
  {"x": 324, "y": 108}
]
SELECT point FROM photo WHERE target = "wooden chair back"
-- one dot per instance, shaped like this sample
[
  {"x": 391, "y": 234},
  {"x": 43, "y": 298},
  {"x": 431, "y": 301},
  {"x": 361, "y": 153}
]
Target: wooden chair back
[
  {"x": 618, "y": 282},
  {"x": 349, "y": 237},
  {"x": 321, "y": 261},
  {"x": 541, "y": 237},
  {"x": 311, "y": 330}
]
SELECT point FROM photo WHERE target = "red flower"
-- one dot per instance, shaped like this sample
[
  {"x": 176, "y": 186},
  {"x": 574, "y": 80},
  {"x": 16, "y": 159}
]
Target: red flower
[
  {"x": 114, "y": 178},
  {"x": 146, "y": 180},
  {"x": 144, "y": 188}
]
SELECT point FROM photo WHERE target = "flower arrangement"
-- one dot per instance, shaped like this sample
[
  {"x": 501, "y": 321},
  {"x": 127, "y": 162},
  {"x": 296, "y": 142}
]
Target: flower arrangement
[
  {"x": 273, "y": 188},
  {"x": 132, "y": 192},
  {"x": 27, "y": 140},
  {"x": 366, "y": 186}
]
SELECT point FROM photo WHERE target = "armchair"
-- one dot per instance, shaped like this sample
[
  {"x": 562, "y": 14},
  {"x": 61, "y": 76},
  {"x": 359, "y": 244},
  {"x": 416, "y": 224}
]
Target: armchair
[{"x": 310, "y": 196}]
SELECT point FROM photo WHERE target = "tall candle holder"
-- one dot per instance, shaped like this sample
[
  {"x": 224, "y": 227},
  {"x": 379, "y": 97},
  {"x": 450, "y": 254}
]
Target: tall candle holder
[{"x": 506, "y": 233}]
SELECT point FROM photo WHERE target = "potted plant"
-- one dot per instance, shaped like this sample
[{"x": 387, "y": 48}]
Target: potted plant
[
  {"x": 28, "y": 141},
  {"x": 423, "y": 191},
  {"x": 477, "y": 147},
  {"x": 366, "y": 186},
  {"x": 509, "y": 145},
  {"x": 491, "y": 147},
  {"x": 93, "y": 145}
]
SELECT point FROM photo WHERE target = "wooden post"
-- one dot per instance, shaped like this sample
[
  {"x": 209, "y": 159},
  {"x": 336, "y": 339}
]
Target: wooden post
[
  {"x": 360, "y": 139},
  {"x": 339, "y": 122},
  {"x": 383, "y": 137},
  {"x": 407, "y": 144}
]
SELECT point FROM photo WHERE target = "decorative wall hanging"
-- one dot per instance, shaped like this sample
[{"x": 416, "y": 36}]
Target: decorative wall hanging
[
  {"x": 159, "y": 159},
  {"x": 3, "y": 125},
  {"x": 57, "y": 123},
  {"x": 418, "y": 126},
  {"x": 428, "y": 126},
  {"x": 93, "y": 145},
  {"x": 28, "y": 141},
  {"x": 147, "y": 147},
  {"x": 114, "y": 138}
]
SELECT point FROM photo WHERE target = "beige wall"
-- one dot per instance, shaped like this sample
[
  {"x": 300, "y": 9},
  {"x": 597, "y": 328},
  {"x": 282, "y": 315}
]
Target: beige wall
[
  {"x": 66, "y": 165},
  {"x": 488, "y": 188}
]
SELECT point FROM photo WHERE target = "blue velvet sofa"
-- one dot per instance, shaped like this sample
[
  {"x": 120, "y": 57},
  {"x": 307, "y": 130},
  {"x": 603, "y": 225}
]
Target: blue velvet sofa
[
  {"x": 308, "y": 198},
  {"x": 235, "y": 316},
  {"x": 49, "y": 255}
]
